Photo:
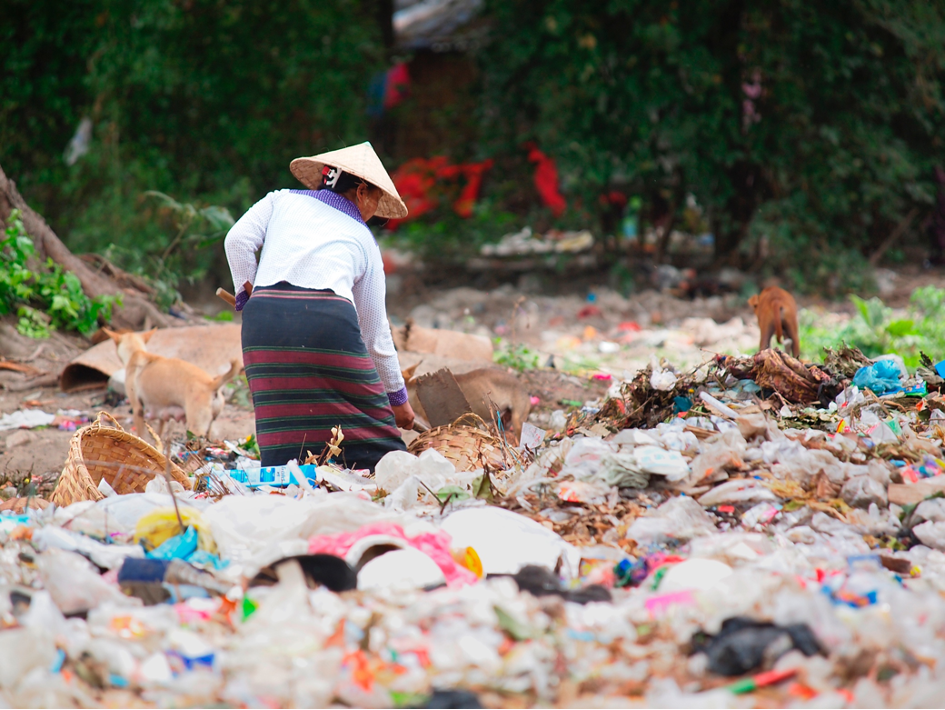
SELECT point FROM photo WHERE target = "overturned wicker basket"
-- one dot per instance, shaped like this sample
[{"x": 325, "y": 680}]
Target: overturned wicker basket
[
  {"x": 466, "y": 443},
  {"x": 98, "y": 451}
]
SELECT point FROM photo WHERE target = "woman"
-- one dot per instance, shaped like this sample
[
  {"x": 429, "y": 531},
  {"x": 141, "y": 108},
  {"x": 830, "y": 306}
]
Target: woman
[{"x": 316, "y": 341}]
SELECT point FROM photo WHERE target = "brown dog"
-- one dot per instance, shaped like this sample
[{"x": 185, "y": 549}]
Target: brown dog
[
  {"x": 487, "y": 390},
  {"x": 777, "y": 314},
  {"x": 166, "y": 388}
]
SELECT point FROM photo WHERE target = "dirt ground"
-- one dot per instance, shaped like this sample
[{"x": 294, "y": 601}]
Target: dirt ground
[{"x": 572, "y": 331}]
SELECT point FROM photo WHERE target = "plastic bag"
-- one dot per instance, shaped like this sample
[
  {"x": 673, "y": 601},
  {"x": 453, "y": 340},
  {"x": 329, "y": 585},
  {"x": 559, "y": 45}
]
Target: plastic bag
[
  {"x": 882, "y": 377},
  {"x": 107, "y": 556},
  {"x": 807, "y": 463},
  {"x": 679, "y": 518},
  {"x": 660, "y": 462},
  {"x": 861, "y": 491},
  {"x": 160, "y": 525},
  {"x": 506, "y": 541},
  {"x": 74, "y": 584},
  {"x": 740, "y": 490},
  {"x": 400, "y": 568}
]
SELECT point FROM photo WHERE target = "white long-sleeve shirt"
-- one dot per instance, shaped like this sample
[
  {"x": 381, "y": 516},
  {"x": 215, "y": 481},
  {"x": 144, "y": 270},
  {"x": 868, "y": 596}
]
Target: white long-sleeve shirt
[{"x": 318, "y": 240}]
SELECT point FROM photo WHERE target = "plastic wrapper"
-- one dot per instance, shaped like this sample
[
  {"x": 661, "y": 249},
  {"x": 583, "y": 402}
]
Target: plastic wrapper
[
  {"x": 74, "y": 583},
  {"x": 157, "y": 527},
  {"x": 680, "y": 518},
  {"x": 862, "y": 491}
]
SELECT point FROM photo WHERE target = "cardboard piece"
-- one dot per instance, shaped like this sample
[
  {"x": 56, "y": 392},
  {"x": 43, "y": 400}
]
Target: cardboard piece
[
  {"x": 442, "y": 399},
  {"x": 909, "y": 493},
  {"x": 445, "y": 343}
]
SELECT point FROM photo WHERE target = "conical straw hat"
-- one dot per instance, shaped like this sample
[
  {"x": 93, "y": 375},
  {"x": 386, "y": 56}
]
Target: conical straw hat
[{"x": 361, "y": 161}]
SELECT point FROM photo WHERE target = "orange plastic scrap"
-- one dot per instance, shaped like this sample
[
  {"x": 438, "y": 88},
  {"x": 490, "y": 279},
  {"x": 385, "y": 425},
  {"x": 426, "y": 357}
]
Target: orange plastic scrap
[
  {"x": 361, "y": 672},
  {"x": 21, "y": 532},
  {"x": 337, "y": 638},
  {"x": 128, "y": 627}
]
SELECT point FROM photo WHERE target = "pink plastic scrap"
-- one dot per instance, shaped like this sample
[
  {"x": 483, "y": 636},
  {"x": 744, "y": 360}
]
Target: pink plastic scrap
[{"x": 436, "y": 546}]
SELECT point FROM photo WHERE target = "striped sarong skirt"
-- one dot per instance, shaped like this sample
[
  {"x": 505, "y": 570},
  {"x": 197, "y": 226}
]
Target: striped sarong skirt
[{"x": 309, "y": 371}]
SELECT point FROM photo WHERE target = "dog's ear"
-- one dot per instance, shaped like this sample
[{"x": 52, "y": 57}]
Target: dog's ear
[
  {"x": 113, "y": 335},
  {"x": 146, "y": 335},
  {"x": 753, "y": 301},
  {"x": 408, "y": 373}
]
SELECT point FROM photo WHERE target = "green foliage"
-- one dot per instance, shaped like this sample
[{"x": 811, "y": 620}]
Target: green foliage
[
  {"x": 195, "y": 228},
  {"x": 803, "y": 129},
  {"x": 200, "y": 98},
  {"x": 222, "y": 317},
  {"x": 44, "y": 300},
  {"x": 876, "y": 329},
  {"x": 520, "y": 357}
]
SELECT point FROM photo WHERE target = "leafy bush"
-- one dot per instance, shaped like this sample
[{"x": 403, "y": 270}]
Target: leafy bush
[
  {"x": 824, "y": 121},
  {"x": 876, "y": 330},
  {"x": 44, "y": 300}
]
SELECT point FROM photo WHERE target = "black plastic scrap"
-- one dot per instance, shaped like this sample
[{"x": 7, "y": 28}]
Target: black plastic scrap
[
  {"x": 542, "y": 582},
  {"x": 319, "y": 569},
  {"x": 743, "y": 645},
  {"x": 450, "y": 699}
]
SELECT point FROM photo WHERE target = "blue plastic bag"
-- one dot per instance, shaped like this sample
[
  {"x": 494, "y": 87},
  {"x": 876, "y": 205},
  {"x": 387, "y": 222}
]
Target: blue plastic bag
[
  {"x": 179, "y": 547},
  {"x": 882, "y": 377}
]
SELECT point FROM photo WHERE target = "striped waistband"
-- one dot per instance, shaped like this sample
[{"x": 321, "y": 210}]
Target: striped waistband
[{"x": 288, "y": 291}]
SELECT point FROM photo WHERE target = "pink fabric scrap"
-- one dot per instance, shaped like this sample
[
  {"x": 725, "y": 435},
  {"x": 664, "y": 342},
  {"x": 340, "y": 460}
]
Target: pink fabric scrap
[{"x": 435, "y": 545}]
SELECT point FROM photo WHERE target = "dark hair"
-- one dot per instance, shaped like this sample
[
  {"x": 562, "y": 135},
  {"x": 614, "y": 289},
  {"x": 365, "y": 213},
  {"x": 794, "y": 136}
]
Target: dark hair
[{"x": 340, "y": 182}]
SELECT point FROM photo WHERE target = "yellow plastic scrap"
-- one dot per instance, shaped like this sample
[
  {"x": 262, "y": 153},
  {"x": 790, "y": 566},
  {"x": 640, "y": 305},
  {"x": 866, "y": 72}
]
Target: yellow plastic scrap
[
  {"x": 789, "y": 490},
  {"x": 161, "y": 524},
  {"x": 468, "y": 557}
]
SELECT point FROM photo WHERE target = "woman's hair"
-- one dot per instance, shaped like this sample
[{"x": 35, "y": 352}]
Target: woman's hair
[{"x": 336, "y": 180}]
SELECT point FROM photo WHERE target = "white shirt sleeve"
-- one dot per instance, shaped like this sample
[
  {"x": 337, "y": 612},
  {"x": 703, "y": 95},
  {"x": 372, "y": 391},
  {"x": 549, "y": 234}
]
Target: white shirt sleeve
[
  {"x": 243, "y": 241},
  {"x": 369, "y": 292}
]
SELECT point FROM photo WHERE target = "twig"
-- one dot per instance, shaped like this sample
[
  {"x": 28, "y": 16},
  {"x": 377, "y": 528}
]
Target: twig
[
  {"x": 429, "y": 489},
  {"x": 170, "y": 488},
  {"x": 445, "y": 503}
]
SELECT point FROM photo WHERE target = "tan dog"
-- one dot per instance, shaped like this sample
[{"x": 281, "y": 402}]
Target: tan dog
[
  {"x": 777, "y": 314},
  {"x": 166, "y": 388},
  {"x": 487, "y": 390}
]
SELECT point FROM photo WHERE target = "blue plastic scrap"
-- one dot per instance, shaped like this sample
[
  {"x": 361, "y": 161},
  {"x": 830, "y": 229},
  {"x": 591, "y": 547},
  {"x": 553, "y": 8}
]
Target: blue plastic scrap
[
  {"x": 882, "y": 377},
  {"x": 271, "y": 476},
  {"x": 179, "y": 547}
]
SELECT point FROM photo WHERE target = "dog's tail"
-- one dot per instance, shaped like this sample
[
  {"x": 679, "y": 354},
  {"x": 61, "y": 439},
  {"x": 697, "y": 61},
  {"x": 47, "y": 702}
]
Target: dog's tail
[
  {"x": 778, "y": 320},
  {"x": 235, "y": 367}
]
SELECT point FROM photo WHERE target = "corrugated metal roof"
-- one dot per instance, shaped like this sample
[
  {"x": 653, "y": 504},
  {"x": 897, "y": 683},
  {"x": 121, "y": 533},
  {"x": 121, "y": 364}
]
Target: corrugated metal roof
[{"x": 440, "y": 25}]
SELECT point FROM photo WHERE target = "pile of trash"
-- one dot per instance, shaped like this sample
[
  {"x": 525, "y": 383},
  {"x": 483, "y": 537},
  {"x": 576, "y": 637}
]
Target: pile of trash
[
  {"x": 753, "y": 532},
  {"x": 553, "y": 242}
]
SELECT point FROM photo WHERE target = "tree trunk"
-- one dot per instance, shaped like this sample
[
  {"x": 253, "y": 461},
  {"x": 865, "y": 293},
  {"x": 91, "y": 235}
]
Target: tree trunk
[{"x": 135, "y": 310}]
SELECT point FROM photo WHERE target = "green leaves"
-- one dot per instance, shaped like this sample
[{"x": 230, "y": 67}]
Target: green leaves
[
  {"x": 806, "y": 132},
  {"x": 875, "y": 331},
  {"x": 44, "y": 299}
]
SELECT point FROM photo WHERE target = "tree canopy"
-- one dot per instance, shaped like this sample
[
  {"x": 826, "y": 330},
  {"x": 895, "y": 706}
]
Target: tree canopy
[{"x": 808, "y": 132}]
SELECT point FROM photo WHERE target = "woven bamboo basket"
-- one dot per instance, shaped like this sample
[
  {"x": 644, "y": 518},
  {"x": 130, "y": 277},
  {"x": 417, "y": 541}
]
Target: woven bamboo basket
[
  {"x": 466, "y": 443},
  {"x": 98, "y": 451},
  {"x": 18, "y": 506}
]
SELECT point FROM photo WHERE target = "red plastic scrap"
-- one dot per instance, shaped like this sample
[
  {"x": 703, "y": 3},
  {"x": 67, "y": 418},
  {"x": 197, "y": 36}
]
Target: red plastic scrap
[
  {"x": 417, "y": 180},
  {"x": 546, "y": 180}
]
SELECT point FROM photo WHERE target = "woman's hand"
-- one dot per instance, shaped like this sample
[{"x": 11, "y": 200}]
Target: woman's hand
[{"x": 403, "y": 415}]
